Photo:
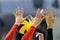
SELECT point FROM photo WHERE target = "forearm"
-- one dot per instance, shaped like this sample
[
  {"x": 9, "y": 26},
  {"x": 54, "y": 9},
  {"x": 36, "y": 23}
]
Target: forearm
[
  {"x": 29, "y": 34},
  {"x": 11, "y": 33},
  {"x": 41, "y": 37},
  {"x": 50, "y": 34}
]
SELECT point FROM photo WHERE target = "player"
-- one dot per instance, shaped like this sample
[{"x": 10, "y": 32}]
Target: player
[
  {"x": 50, "y": 19},
  {"x": 19, "y": 19}
]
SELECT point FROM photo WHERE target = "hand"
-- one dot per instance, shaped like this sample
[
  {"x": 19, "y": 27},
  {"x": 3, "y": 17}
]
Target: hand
[
  {"x": 40, "y": 35},
  {"x": 38, "y": 18},
  {"x": 37, "y": 34},
  {"x": 18, "y": 16},
  {"x": 50, "y": 18}
]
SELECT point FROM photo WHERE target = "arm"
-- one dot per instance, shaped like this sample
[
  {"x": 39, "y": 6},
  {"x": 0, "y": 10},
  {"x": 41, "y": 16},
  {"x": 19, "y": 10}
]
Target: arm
[
  {"x": 50, "y": 19},
  {"x": 18, "y": 19},
  {"x": 11, "y": 33},
  {"x": 40, "y": 35},
  {"x": 29, "y": 34},
  {"x": 50, "y": 34},
  {"x": 36, "y": 21}
]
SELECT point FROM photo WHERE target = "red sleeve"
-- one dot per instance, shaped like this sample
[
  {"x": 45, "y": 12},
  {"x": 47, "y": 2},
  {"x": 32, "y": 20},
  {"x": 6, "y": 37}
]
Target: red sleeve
[
  {"x": 29, "y": 34},
  {"x": 11, "y": 33}
]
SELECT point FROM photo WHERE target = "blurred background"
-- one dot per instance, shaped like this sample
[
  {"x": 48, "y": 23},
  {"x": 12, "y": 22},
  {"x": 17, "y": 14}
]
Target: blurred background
[{"x": 7, "y": 8}]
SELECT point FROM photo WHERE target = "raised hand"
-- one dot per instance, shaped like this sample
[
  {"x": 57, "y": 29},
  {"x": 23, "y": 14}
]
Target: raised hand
[
  {"x": 38, "y": 18},
  {"x": 18, "y": 15},
  {"x": 40, "y": 35},
  {"x": 50, "y": 18}
]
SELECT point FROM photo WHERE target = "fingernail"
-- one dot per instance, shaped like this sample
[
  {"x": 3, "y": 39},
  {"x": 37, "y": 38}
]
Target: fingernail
[{"x": 41, "y": 11}]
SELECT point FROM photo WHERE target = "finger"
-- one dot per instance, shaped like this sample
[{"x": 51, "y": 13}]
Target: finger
[
  {"x": 41, "y": 15},
  {"x": 47, "y": 12},
  {"x": 41, "y": 11},
  {"x": 22, "y": 12},
  {"x": 18, "y": 11},
  {"x": 30, "y": 17},
  {"x": 25, "y": 18},
  {"x": 41, "y": 18},
  {"x": 50, "y": 11},
  {"x": 15, "y": 13},
  {"x": 38, "y": 11},
  {"x": 37, "y": 35}
]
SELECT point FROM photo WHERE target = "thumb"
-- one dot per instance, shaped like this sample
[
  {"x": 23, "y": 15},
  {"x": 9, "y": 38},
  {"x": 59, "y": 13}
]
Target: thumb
[{"x": 31, "y": 17}]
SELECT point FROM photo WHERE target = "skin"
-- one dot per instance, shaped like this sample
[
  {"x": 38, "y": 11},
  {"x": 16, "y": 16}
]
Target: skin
[
  {"x": 40, "y": 35},
  {"x": 50, "y": 18},
  {"x": 19, "y": 16},
  {"x": 18, "y": 19},
  {"x": 36, "y": 20}
]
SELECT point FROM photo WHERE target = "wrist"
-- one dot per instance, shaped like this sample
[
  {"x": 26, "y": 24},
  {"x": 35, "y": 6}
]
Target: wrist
[
  {"x": 35, "y": 25},
  {"x": 48, "y": 27},
  {"x": 17, "y": 23}
]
